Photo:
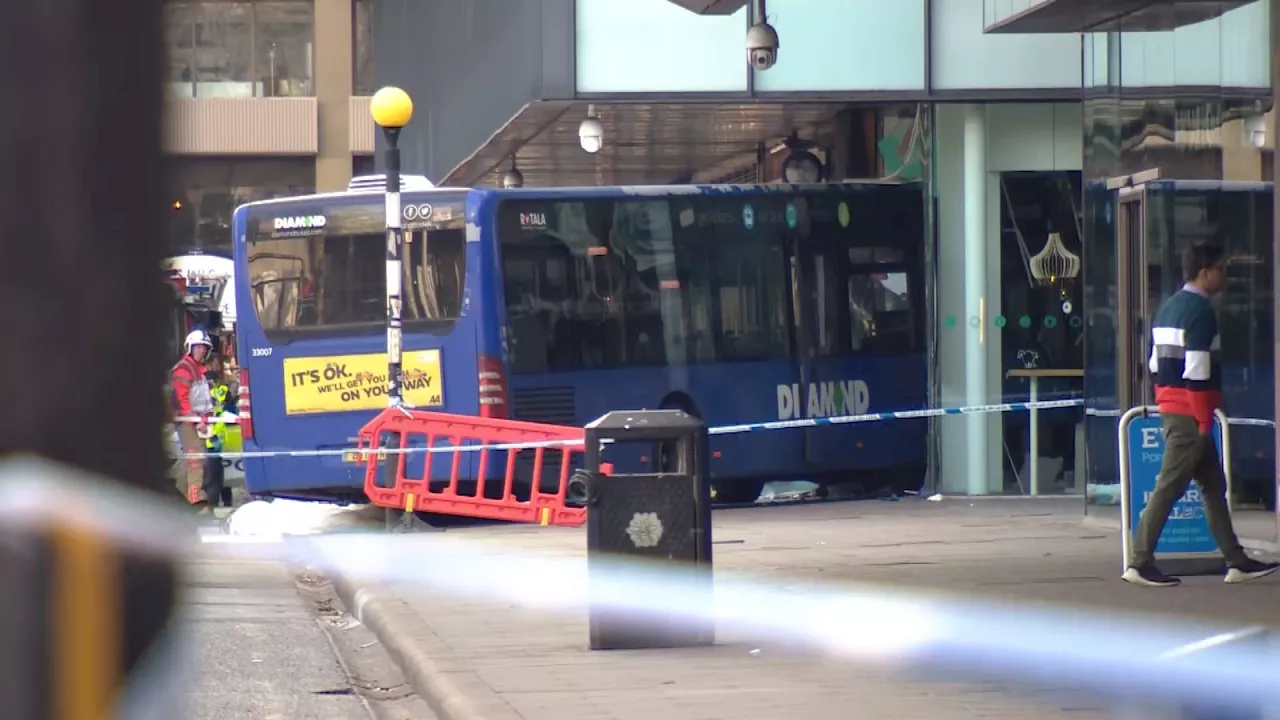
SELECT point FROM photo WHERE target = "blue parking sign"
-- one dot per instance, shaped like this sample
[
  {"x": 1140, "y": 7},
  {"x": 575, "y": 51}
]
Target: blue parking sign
[{"x": 1187, "y": 530}]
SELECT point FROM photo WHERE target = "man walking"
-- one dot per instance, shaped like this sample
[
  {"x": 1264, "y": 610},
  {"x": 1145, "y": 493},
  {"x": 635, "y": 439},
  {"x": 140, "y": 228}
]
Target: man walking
[{"x": 1188, "y": 380}]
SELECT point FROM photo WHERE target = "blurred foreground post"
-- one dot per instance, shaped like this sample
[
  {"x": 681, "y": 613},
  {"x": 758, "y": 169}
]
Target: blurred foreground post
[
  {"x": 83, "y": 366},
  {"x": 1222, "y": 650}
]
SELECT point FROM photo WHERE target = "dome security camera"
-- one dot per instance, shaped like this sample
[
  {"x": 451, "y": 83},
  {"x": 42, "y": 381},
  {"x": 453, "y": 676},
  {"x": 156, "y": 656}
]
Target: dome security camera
[
  {"x": 1255, "y": 130},
  {"x": 591, "y": 132},
  {"x": 762, "y": 46},
  {"x": 513, "y": 178}
]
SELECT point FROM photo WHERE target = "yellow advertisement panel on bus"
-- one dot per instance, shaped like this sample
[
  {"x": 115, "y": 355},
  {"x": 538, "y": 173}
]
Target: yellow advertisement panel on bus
[{"x": 358, "y": 382}]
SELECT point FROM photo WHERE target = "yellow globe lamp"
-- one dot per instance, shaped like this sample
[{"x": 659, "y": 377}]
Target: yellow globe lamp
[{"x": 391, "y": 108}]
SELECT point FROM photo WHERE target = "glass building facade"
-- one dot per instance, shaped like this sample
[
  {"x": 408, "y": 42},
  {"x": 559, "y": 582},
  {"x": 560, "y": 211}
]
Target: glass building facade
[
  {"x": 1179, "y": 140},
  {"x": 240, "y": 49},
  {"x": 265, "y": 98},
  {"x": 205, "y": 192}
]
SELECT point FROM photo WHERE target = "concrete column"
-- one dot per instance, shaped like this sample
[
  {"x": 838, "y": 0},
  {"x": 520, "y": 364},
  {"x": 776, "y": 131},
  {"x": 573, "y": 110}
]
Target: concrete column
[
  {"x": 968, "y": 287},
  {"x": 334, "y": 63},
  {"x": 975, "y": 285},
  {"x": 1275, "y": 212}
]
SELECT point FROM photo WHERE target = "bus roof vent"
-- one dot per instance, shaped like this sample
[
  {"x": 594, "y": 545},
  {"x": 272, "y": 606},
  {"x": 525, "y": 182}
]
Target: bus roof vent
[{"x": 408, "y": 183}]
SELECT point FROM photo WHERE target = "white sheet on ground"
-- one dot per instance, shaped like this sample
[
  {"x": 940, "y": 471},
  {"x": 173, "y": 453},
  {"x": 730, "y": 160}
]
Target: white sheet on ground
[{"x": 292, "y": 517}]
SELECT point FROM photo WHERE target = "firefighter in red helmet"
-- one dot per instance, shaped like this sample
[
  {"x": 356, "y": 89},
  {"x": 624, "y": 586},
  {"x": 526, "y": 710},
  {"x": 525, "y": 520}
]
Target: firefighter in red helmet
[{"x": 192, "y": 404}]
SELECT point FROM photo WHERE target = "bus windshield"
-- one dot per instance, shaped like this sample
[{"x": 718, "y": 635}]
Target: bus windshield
[{"x": 325, "y": 273}]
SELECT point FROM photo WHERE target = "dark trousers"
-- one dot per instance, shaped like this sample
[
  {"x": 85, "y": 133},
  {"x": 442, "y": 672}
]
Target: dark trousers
[
  {"x": 214, "y": 481},
  {"x": 1188, "y": 455}
]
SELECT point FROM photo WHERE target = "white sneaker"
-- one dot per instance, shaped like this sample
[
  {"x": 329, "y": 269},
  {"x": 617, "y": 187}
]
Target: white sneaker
[{"x": 1248, "y": 570}]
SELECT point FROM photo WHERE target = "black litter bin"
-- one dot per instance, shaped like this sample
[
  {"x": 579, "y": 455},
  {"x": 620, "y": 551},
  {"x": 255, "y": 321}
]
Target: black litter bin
[{"x": 649, "y": 533}]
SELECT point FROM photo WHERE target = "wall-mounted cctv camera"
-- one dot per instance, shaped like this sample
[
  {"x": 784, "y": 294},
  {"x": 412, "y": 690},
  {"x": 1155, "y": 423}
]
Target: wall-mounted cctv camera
[
  {"x": 1255, "y": 129},
  {"x": 762, "y": 46},
  {"x": 591, "y": 132}
]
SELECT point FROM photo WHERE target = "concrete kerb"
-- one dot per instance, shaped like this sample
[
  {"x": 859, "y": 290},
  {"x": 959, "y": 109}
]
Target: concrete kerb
[{"x": 395, "y": 625}]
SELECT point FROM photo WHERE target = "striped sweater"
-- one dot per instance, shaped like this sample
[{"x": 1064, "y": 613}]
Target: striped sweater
[{"x": 1184, "y": 344}]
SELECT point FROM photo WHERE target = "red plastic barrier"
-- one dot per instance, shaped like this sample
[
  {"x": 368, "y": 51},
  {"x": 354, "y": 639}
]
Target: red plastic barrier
[{"x": 387, "y": 485}]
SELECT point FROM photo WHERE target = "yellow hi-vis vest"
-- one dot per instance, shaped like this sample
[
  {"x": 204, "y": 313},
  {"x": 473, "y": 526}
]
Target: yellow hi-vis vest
[
  {"x": 218, "y": 430},
  {"x": 219, "y": 394}
]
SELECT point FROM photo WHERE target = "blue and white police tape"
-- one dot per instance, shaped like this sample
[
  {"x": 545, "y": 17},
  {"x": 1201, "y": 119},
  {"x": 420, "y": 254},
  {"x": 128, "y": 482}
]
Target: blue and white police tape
[
  {"x": 898, "y": 415},
  {"x": 1234, "y": 421},
  {"x": 230, "y": 419},
  {"x": 1251, "y": 422},
  {"x": 719, "y": 430},
  {"x": 224, "y": 418}
]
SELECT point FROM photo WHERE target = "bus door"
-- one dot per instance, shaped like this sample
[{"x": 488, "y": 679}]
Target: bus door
[
  {"x": 1135, "y": 304},
  {"x": 852, "y": 319},
  {"x": 806, "y": 269}
]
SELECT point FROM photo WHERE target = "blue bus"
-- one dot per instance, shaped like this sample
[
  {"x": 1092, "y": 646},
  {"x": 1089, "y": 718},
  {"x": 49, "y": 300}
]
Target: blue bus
[{"x": 735, "y": 303}]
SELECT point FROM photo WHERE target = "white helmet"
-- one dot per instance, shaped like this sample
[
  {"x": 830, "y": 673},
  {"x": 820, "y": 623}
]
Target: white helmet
[{"x": 198, "y": 337}]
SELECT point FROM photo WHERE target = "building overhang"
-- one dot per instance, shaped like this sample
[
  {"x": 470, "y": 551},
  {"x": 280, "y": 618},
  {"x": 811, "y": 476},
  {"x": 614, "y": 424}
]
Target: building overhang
[
  {"x": 711, "y": 7},
  {"x": 644, "y": 142},
  {"x": 1065, "y": 16}
]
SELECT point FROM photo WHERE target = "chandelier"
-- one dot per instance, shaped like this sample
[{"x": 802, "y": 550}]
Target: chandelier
[{"x": 1055, "y": 262}]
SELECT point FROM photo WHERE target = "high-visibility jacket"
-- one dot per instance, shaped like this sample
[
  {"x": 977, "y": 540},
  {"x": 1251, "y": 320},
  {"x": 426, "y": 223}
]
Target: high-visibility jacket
[
  {"x": 218, "y": 429},
  {"x": 219, "y": 392}
]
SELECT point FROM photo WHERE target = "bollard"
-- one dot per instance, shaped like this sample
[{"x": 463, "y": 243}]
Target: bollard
[{"x": 648, "y": 524}]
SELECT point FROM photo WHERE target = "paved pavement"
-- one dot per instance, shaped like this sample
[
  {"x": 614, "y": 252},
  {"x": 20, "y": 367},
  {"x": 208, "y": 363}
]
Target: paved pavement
[
  {"x": 500, "y": 662},
  {"x": 1257, "y": 528},
  {"x": 270, "y": 648}
]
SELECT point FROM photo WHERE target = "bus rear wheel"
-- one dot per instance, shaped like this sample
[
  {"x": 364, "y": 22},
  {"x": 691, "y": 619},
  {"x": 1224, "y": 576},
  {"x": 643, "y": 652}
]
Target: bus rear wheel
[{"x": 737, "y": 492}]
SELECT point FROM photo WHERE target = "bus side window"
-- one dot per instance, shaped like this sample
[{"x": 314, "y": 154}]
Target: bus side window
[
  {"x": 696, "y": 278},
  {"x": 527, "y": 341},
  {"x": 880, "y": 312},
  {"x": 749, "y": 280}
]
